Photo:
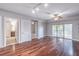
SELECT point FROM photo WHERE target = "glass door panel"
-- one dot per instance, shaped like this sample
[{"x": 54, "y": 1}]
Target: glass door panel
[
  {"x": 60, "y": 31},
  {"x": 54, "y": 32},
  {"x": 68, "y": 31}
]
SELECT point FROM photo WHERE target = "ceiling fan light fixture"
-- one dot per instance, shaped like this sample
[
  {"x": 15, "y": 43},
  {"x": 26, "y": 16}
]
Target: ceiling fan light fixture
[
  {"x": 56, "y": 16},
  {"x": 60, "y": 14},
  {"x": 55, "y": 19},
  {"x": 51, "y": 15}
]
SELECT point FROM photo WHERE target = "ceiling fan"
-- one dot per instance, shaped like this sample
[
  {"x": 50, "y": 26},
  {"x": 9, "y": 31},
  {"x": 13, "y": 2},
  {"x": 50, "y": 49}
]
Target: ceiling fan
[{"x": 55, "y": 16}]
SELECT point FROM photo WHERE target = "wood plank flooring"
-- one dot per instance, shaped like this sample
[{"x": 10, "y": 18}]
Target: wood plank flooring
[{"x": 46, "y": 46}]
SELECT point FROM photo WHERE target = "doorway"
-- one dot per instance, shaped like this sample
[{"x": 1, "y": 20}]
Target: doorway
[
  {"x": 34, "y": 29},
  {"x": 10, "y": 29}
]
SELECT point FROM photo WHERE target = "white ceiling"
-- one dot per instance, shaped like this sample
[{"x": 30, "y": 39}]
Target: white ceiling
[{"x": 68, "y": 9}]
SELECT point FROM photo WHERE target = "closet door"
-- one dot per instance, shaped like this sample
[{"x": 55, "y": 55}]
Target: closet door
[
  {"x": 25, "y": 30},
  {"x": 1, "y": 33}
]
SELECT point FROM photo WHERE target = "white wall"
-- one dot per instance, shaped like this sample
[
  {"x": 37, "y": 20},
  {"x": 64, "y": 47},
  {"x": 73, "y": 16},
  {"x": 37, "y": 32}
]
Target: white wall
[
  {"x": 75, "y": 27},
  {"x": 24, "y": 27},
  {"x": 25, "y": 30},
  {"x": 45, "y": 25},
  {"x": 1, "y": 33}
]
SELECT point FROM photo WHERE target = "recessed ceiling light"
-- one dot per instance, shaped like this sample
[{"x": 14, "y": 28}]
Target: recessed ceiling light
[
  {"x": 46, "y": 4},
  {"x": 33, "y": 11},
  {"x": 37, "y": 9},
  {"x": 32, "y": 22}
]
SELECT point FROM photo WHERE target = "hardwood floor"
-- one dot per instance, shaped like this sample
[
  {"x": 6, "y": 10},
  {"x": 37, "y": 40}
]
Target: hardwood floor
[
  {"x": 76, "y": 44},
  {"x": 46, "y": 46}
]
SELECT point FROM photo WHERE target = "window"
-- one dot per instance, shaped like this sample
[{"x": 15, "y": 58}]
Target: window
[{"x": 64, "y": 31}]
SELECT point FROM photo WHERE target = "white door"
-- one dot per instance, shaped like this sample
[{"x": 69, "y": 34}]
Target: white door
[{"x": 25, "y": 30}]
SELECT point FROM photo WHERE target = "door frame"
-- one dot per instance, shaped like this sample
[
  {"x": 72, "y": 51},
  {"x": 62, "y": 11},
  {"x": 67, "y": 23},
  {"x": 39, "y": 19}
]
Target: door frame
[{"x": 17, "y": 30}]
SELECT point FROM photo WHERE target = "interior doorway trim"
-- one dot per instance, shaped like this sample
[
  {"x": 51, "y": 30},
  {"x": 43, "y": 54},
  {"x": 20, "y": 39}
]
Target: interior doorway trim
[{"x": 17, "y": 30}]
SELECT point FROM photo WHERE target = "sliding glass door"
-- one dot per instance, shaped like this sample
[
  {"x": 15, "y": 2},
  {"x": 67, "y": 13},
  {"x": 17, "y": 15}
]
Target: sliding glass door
[
  {"x": 57, "y": 30},
  {"x": 63, "y": 31},
  {"x": 60, "y": 30},
  {"x": 54, "y": 30},
  {"x": 68, "y": 31}
]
